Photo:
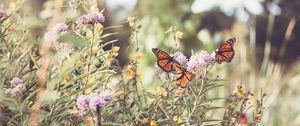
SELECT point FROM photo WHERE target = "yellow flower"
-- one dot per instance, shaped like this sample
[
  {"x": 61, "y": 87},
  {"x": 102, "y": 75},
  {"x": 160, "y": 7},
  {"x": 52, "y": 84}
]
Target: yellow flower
[
  {"x": 161, "y": 101},
  {"x": 115, "y": 51},
  {"x": 91, "y": 80},
  {"x": 179, "y": 92},
  {"x": 160, "y": 91},
  {"x": 178, "y": 35},
  {"x": 115, "y": 54},
  {"x": 79, "y": 62},
  {"x": 138, "y": 56},
  {"x": 130, "y": 72},
  {"x": 89, "y": 121},
  {"x": 66, "y": 79},
  {"x": 108, "y": 62},
  {"x": 242, "y": 88},
  {"x": 230, "y": 105},
  {"x": 240, "y": 96},
  {"x": 177, "y": 119},
  {"x": 131, "y": 21},
  {"x": 115, "y": 48},
  {"x": 153, "y": 122},
  {"x": 39, "y": 62},
  {"x": 144, "y": 121},
  {"x": 236, "y": 93},
  {"x": 87, "y": 91}
]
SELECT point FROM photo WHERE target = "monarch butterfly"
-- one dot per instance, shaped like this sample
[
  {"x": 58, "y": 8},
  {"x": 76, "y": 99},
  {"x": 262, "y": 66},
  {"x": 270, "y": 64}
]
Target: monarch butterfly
[
  {"x": 183, "y": 76},
  {"x": 225, "y": 52},
  {"x": 168, "y": 64},
  {"x": 164, "y": 60}
]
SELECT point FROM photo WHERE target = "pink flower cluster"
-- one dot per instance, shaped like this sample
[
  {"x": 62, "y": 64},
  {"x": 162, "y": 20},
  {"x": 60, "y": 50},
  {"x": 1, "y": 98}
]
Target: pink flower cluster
[
  {"x": 60, "y": 27},
  {"x": 89, "y": 19},
  {"x": 2, "y": 14},
  {"x": 18, "y": 87},
  {"x": 198, "y": 62},
  {"x": 93, "y": 101},
  {"x": 52, "y": 35},
  {"x": 180, "y": 58}
]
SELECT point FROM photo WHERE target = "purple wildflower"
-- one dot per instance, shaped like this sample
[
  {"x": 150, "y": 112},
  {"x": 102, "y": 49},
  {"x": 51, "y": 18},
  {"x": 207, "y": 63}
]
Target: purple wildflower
[
  {"x": 16, "y": 81},
  {"x": 179, "y": 57},
  {"x": 107, "y": 96},
  {"x": 60, "y": 27},
  {"x": 2, "y": 14},
  {"x": 83, "y": 102},
  {"x": 198, "y": 62},
  {"x": 17, "y": 91},
  {"x": 50, "y": 37},
  {"x": 213, "y": 55},
  {"x": 96, "y": 101},
  {"x": 90, "y": 18}
]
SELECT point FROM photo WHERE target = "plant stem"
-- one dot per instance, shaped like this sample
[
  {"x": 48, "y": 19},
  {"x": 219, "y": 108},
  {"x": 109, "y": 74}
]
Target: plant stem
[
  {"x": 51, "y": 113},
  {"x": 196, "y": 100},
  {"x": 98, "y": 116},
  {"x": 90, "y": 55},
  {"x": 165, "y": 113}
]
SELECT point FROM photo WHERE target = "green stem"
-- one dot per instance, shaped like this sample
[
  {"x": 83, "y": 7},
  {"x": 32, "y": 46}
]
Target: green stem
[
  {"x": 166, "y": 113},
  {"x": 91, "y": 52},
  {"x": 196, "y": 100}
]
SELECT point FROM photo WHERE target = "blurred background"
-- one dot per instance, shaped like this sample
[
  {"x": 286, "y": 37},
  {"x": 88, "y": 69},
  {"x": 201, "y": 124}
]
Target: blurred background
[{"x": 267, "y": 31}]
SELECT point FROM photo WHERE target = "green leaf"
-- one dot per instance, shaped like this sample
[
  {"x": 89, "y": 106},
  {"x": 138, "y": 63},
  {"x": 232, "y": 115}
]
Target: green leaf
[{"x": 74, "y": 39}]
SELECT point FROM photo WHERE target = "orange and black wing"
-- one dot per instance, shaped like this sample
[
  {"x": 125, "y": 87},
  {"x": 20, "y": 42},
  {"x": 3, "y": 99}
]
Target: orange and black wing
[
  {"x": 225, "y": 51},
  {"x": 183, "y": 76},
  {"x": 164, "y": 60}
]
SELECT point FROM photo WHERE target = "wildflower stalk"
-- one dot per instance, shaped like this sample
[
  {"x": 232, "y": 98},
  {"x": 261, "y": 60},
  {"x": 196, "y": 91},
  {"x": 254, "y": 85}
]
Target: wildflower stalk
[
  {"x": 98, "y": 116},
  {"x": 134, "y": 38},
  {"x": 91, "y": 52},
  {"x": 135, "y": 83},
  {"x": 196, "y": 101}
]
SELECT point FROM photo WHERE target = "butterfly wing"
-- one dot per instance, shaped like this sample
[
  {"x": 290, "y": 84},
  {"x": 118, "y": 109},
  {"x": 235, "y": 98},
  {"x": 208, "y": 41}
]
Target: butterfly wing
[
  {"x": 166, "y": 65},
  {"x": 164, "y": 60},
  {"x": 160, "y": 54},
  {"x": 183, "y": 76},
  {"x": 225, "y": 51}
]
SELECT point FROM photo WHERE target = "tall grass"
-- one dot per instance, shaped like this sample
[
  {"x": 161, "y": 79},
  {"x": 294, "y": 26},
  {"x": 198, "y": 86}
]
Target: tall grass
[{"x": 278, "y": 81}]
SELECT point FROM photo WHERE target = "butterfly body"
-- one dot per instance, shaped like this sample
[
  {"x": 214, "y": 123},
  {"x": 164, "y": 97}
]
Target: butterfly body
[
  {"x": 164, "y": 60},
  {"x": 183, "y": 76},
  {"x": 225, "y": 52}
]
